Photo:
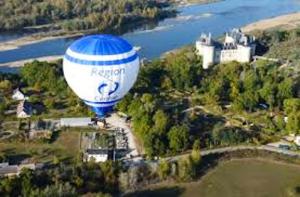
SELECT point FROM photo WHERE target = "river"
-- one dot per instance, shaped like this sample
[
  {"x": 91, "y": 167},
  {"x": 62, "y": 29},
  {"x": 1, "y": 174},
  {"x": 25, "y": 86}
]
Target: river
[{"x": 174, "y": 32}]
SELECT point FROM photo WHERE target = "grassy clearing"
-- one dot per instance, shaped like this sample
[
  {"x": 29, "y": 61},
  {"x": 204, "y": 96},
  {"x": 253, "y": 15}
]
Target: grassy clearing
[
  {"x": 245, "y": 178},
  {"x": 65, "y": 147}
]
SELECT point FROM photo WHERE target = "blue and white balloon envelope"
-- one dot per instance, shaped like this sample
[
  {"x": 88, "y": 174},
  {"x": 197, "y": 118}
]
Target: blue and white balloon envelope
[{"x": 101, "y": 69}]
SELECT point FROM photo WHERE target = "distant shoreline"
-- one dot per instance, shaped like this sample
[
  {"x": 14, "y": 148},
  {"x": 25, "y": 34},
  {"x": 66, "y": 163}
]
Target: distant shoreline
[
  {"x": 32, "y": 39},
  {"x": 13, "y": 66},
  {"x": 184, "y": 3},
  {"x": 41, "y": 37},
  {"x": 287, "y": 21}
]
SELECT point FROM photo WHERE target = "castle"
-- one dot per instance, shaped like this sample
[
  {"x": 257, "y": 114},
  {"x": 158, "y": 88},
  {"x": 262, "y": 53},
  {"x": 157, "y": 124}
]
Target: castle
[{"x": 236, "y": 47}]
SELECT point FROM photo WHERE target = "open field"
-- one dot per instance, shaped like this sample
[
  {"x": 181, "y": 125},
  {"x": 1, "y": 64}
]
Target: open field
[
  {"x": 288, "y": 21},
  {"x": 64, "y": 147},
  {"x": 247, "y": 178}
]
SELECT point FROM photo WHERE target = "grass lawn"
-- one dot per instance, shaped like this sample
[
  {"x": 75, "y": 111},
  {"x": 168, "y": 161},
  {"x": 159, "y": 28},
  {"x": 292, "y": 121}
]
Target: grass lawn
[
  {"x": 65, "y": 146},
  {"x": 245, "y": 178}
]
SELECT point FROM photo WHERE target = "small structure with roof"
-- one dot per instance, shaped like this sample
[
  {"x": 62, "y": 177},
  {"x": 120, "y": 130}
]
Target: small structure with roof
[
  {"x": 297, "y": 140},
  {"x": 18, "y": 95},
  {"x": 24, "y": 109},
  {"x": 7, "y": 170},
  {"x": 76, "y": 122},
  {"x": 42, "y": 129},
  {"x": 97, "y": 155}
]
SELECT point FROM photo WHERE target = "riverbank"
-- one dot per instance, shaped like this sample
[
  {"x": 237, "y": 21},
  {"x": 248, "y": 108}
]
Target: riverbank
[
  {"x": 288, "y": 21},
  {"x": 43, "y": 36},
  {"x": 192, "y": 2},
  {"x": 13, "y": 66},
  {"x": 192, "y": 21},
  {"x": 33, "y": 39}
]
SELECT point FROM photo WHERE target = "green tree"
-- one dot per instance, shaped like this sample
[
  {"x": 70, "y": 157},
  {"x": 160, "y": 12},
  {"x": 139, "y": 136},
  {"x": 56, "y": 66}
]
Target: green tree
[
  {"x": 217, "y": 129},
  {"x": 163, "y": 169},
  {"x": 293, "y": 123},
  {"x": 196, "y": 154},
  {"x": 160, "y": 120},
  {"x": 268, "y": 93},
  {"x": 250, "y": 100},
  {"x": 61, "y": 189},
  {"x": 124, "y": 103},
  {"x": 178, "y": 138},
  {"x": 285, "y": 90},
  {"x": 250, "y": 81},
  {"x": 291, "y": 105},
  {"x": 149, "y": 102},
  {"x": 279, "y": 121},
  {"x": 6, "y": 86},
  {"x": 186, "y": 169},
  {"x": 235, "y": 90},
  {"x": 2, "y": 106},
  {"x": 50, "y": 103},
  {"x": 154, "y": 144},
  {"x": 45, "y": 75},
  {"x": 26, "y": 177}
]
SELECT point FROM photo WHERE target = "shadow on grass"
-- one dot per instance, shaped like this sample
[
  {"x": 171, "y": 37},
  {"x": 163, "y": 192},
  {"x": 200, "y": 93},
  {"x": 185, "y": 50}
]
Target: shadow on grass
[
  {"x": 17, "y": 158},
  {"x": 297, "y": 190},
  {"x": 161, "y": 192},
  {"x": 54, "y": 136}
]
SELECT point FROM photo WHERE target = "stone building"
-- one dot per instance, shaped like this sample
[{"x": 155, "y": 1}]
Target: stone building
[
  {"x": 24, "y": 109},
  {"x": 7, "y": 170},
  {"x": 236, "y": 47}
]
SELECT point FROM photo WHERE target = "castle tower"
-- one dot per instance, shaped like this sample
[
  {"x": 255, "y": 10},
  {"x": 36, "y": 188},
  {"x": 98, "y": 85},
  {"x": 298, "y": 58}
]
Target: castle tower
[
  {"x": 208, "y": 56},
  {"x": 206, "y": 49}
]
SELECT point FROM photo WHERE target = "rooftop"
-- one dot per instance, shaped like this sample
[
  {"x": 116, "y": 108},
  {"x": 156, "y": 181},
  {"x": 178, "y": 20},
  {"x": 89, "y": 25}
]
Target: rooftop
[
  {"x": 232, "y": 39},
  {"x": 97, "y": 151}
]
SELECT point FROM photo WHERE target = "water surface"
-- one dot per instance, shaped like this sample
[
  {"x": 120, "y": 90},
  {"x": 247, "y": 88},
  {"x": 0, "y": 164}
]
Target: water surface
[{"x": 175, "y": 32}]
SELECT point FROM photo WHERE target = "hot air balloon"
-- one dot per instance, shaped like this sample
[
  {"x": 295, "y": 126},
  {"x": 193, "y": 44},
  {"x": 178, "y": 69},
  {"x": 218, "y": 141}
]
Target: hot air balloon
[{"x": 101, "y": 69}]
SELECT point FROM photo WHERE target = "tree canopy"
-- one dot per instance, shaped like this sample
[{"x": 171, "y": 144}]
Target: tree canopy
[{"x": 70, "y": 15}]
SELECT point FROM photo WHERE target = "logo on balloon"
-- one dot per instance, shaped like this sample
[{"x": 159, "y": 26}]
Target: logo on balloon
[{"x": 103, "y": 86}]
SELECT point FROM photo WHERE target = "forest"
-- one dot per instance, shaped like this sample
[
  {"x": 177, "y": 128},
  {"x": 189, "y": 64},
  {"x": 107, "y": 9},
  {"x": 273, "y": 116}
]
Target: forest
[
  {"x": 115, "y": 16},
  {"x": 231, "y": 91},
  {"x": 239, "y": 103}
]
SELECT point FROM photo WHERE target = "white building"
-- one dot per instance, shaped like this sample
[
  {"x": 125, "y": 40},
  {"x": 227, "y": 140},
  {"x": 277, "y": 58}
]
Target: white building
[
  {"x": 18, "y": 95},
  {"x": 76, "y": 122},
  {"x": 297, "y": 140},
  {"x": 24, "y": 110},
  {"x": 97, "y": 155},
  {"x": 236, "y": 47}
]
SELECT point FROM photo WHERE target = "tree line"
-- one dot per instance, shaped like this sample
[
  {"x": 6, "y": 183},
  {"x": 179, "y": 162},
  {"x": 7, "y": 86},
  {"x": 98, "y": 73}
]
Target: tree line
[
  {"x": 164, "y": 129},
  {"x": 71, "y": 15},
  {"x": 64, "y": 180}
]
